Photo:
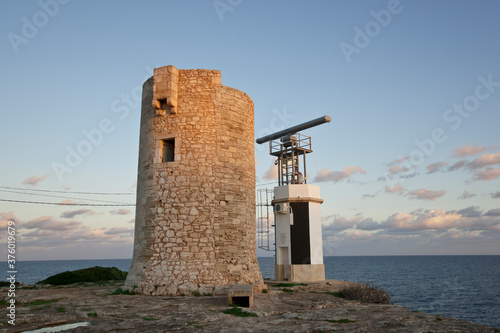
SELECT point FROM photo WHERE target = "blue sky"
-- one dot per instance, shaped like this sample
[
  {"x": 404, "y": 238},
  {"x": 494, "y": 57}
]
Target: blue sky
[{"x": 410, "y": 163}]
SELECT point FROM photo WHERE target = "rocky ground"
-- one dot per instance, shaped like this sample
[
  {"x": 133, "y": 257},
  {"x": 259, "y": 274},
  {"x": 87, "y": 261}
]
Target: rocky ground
[{"x": 311, "y": 308}]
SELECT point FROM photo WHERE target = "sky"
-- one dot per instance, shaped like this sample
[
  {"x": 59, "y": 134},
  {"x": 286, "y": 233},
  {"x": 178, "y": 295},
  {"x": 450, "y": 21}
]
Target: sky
[{"x": 409, "y": 165}]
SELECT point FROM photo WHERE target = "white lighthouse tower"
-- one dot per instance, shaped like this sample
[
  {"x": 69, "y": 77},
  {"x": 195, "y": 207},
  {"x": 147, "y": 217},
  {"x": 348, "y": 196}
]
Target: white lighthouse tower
[{"x": 297, "y": 207}]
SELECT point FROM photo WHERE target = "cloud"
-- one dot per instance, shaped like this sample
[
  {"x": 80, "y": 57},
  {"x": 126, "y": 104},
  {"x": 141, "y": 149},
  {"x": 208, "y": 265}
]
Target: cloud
[
  {"x": 481, "y": 167},
  {"x": 472, "y": 211},
  {"x": 487, "y": 174},
  {"x": 72, "y": 213},
  {"x": 424, "y": 194},
  {"x": 67, "y": 202},
  {"x": 466, "y": 195},
  {"x": 399, "y": 160},
  {"x": 49, "y": 223},
  {"x": 465, "y": 151},
  {"x": 340, "y": 223},
  {"x": 396, "y": 189},
  {"x": 325, "y": 175},
  {"x": 34, "y": 180},
  {"x": 397, "y": 169},
  {"x": 271, "y": 173},
  {"x": 5, "y": 218},
  {"x": 421, "y": 194},
  {"x": 121, "y": 211},
  {"x": 132, "y": 221},
  {"x": 48, "y": 232},
  {"x": 119, "y": 231},
  {"x": 495, "y": 195},
  {"x": 457, "y": 165},
  {"x": 132, "y": 187},
  {"x": 434, "y": 167},
  {"x": 425, "y": 223},
  {"x": 493, "y": 212},
  {"x": 484, "y": 161}
]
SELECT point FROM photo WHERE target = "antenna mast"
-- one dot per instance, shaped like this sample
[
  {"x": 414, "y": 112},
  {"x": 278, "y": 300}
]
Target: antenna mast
[{"x": 287, "y": 146}]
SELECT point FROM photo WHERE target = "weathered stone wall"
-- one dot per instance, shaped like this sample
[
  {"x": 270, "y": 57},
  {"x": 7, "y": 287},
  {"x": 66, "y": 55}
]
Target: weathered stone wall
[{"x": 195, "y": 216}]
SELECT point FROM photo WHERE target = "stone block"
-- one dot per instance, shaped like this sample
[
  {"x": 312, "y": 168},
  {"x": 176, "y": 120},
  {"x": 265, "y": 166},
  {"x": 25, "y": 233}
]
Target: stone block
[{"x": 241, "y": 295}]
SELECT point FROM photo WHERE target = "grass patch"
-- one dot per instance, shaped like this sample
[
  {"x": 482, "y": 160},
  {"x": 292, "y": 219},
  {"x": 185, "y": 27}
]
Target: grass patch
[
  {"x": 264, "y": 291},
  {"x": 366, "y": 293},
  {"x": 120, "y": 291},
  {"x": 92, "y": 274},
  {"x": 289, "y": 285},
  {"x": 334, "y": 293},
  {"x": 236, "y": 311},
  {"x": 150, "y": 319},
  {"x": 61, "y": 309},
  {"x": 92, "y": 314},
  {"x": 342, "y": 321},
  {"x": 286, "y": 290},
  {"x": 40, "y": 302},
  {"x": 196, "y": 293},
  {"x": 438, "y": 319}
]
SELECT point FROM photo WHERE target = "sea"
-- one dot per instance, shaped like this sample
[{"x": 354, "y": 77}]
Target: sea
[{"x": 465, "y": 287}]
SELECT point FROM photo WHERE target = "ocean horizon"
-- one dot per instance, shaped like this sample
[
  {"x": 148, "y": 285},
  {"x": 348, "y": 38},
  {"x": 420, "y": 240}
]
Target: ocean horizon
[{"x": 458, "y": 286}]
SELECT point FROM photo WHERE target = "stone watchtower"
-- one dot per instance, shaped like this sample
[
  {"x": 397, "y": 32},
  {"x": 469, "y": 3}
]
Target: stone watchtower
[{"x": 195, "y": 214}]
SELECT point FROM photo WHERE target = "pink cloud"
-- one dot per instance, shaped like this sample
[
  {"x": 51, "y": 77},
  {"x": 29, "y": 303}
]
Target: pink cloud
[
  {"x": 132, "y": 187},
  {"x": 439, "y": 219},
  {"x": 67, "y": 202},
  {"x": 121, "y": 211},
  {"x": 397, "y": 169},
  {"x": 399, "y": 220},
  {"x": 72, "y": 213},
  {"x": 325, "y": 175},
  {"x": 5, "y": 218},
  {"x": 424, "y": 194},
  {"x": 465, "y": 151},
  {"x": 484, "y": 161},
  {"x": 457, "y": 165},
  {"x": 34, "y": 180},
  {"x": 396, "y": 189},
  {"x": 487, "y": 174},
  {"x": 434, "y": 167},
  {"x": 49, "y": 223},
  {"x": 272, "y": 173},
  {"x": 399, "y": 160},
  {"x": 466, "y": 195}
]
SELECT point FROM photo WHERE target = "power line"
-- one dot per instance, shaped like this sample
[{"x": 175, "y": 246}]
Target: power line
[
  {"x": 59, "y": 196},
  {"x": 65, "y": 204},
  {"x": 74, "y": 192}
]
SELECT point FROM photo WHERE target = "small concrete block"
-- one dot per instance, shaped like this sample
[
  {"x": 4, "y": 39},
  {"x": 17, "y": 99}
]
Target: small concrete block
[{"x": 241, "y": 295}]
